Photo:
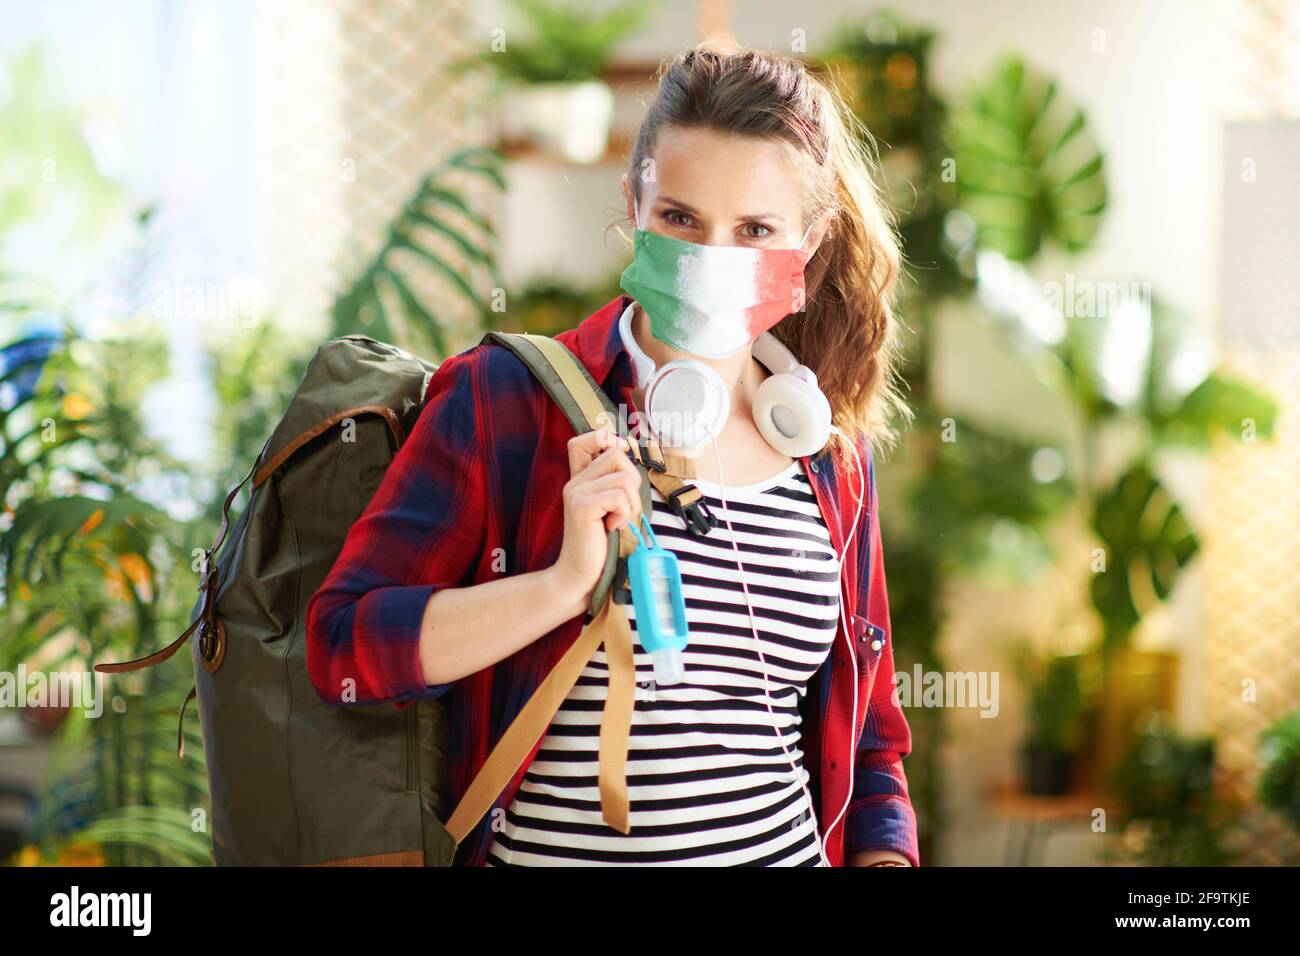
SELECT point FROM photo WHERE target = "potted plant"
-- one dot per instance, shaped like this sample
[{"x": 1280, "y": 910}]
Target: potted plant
[
  {"x": 1054, "y": 712},
  {"x": 1279, "y": 784},
  {"x": 555, "y": 97},
  {"x": 1169, "y": 811}
]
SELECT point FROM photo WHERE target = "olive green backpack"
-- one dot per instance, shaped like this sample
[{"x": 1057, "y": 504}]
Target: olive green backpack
[{"x": 293, "y": 780}]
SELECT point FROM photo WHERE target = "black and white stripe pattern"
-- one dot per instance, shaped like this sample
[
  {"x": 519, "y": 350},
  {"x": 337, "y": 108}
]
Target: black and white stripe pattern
[{"x": 709, "y": 783}]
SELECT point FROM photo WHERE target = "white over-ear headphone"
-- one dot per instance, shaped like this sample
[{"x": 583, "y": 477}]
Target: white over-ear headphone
[{"x": 687, "y": 402}]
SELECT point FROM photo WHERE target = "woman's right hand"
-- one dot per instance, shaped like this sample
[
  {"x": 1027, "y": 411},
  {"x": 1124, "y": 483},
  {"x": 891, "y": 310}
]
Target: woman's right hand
[{"x": 602, "y": 494}]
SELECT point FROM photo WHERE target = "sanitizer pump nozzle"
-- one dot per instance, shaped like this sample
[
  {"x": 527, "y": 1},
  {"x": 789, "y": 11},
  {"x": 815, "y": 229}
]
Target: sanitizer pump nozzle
[{"x": 656, "y": 585}]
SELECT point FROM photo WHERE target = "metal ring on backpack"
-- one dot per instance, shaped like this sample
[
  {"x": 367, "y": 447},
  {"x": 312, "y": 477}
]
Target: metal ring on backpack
[{"x": 212, "y": 647}]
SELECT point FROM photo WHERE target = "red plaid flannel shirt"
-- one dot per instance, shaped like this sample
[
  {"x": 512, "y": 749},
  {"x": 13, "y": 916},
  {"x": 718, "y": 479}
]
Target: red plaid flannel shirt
[{"x": 481, "y": 476}]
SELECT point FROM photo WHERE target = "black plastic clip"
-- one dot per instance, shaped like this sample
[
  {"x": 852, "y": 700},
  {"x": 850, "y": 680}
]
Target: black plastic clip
[
  {"x": 654, "y": 464},
  {"x": 698, "y": 518}
]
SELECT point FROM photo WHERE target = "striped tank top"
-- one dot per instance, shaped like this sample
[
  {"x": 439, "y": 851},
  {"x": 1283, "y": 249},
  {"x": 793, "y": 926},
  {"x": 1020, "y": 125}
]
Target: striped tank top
[{"x": 708, "y": 780}]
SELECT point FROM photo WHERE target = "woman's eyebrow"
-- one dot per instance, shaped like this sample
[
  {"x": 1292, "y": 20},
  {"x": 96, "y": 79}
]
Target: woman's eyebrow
[
  {"x": 684, "y": 207},
  {"x": 687, "y": 207}
]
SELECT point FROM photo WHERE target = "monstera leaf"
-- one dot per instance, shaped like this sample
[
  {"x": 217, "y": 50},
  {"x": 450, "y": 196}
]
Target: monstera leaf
[
  {"x": 1189, "y": 410},
  {"x": 1147, "y": 542},
  {"x": 1220, "y": 404},
  {"x": 1028, "y": 168}
]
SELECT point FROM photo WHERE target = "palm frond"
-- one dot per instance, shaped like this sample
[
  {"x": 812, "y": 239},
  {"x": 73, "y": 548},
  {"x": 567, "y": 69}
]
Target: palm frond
[{"x": 437, "y": 238}]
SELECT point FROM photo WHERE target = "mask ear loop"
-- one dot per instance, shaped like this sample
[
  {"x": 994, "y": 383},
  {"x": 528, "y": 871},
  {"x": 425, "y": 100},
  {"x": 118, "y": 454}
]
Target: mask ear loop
[
  {"x": 758, "y": 646},
  {"x": 806, "y": 233}
]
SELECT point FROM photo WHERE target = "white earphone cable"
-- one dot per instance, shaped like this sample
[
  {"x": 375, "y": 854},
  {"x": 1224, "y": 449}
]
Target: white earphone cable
[
  {"x": 758, "y": 645},
  {"x": 848, "y": 636}
]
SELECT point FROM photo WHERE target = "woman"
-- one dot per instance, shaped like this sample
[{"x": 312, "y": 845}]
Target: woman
[{"x": 469, "y": 573}]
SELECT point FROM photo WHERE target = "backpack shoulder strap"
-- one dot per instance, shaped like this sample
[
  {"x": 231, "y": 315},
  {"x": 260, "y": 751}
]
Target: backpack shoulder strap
[
  {"x": 564, "y": 377},
  {"x": 587, "y": 407},
  {"x": 573, "y": 389}
]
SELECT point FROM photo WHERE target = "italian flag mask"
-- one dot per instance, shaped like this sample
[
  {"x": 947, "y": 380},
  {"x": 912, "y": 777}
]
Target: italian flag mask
[{"x": 712, "y": 300}]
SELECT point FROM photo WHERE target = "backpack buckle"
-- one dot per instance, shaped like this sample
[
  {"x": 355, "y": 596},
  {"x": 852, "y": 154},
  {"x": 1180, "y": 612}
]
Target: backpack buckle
[
  {"x": 697, "y": 516},
  {"x": 639, "y": 453},
  {"x": 649, "y": 460}
]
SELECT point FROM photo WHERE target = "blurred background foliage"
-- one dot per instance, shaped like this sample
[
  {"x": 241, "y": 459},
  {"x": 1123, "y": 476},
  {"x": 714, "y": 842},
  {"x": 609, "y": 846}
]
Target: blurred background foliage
[
  {"x": 103, "y": 530},
  {"x": 1170, "y": 812},
  {"x": 561, "y": 41},
  {"x": 382, "y": 302},
  {"x": 984, "y": 185},
  {"x": 101, "y": 527}
]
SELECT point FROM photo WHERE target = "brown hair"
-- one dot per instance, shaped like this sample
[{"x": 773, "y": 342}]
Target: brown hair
[{"x": 847, "y": 333}]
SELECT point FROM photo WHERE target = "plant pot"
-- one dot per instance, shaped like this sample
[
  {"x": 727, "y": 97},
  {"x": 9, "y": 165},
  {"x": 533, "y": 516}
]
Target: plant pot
[
  {"x": 571, "y": 119},
  {"x": 1139, "y": 683},
  {"x": 1046, "y": 771}
]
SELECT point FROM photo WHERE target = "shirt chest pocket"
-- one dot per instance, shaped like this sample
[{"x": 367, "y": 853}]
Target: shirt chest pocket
[{"x": 869, "y": 642}]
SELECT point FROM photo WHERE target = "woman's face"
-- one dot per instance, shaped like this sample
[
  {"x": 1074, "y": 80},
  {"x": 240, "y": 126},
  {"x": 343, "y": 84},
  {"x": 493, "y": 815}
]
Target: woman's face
[{"x": 722, "y": 189}]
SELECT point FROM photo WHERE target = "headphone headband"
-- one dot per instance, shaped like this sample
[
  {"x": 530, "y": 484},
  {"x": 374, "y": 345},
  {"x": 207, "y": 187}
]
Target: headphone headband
[
  {"x": 776, "y": 358},
  {"x": 642, "y": 365}
]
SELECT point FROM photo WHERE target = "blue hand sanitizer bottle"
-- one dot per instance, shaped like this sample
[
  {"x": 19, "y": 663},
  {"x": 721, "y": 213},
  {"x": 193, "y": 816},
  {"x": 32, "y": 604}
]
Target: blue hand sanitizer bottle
[{"x": 656, "y": 585}]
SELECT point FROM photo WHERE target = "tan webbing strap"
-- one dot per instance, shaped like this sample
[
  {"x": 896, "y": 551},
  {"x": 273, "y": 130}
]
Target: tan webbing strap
[
  {"x": 679, "y": 466},
  {"x": 576, "y": 381},
  {"x": 566, "y": 366},
  {"x": 610, "y": 627},
  {"x": 572, "y": 375},
  {"x": 666, "y": 484},
  {"x": 616, "y": 722}
]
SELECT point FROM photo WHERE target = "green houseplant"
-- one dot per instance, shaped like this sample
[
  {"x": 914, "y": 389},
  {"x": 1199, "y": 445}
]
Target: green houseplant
[
  {"x": 551, "y": 67},
  {"x": 985, "y": 185},
  {"x": 550, "y": 70},
  {"x": 1279, "y": 784},
  {"x": 1054, "y": 716},
  {"x": 436, "y": 233},
  {"x": 92, "y": 567},
  {"x": 1169, "y": 811},
  {"x": 101, "y": 526}
]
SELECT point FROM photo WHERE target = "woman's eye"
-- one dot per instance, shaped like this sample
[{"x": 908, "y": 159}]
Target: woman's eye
[
  {"x": 756, "y": 230},
  {"x": 677, "y": 218}
]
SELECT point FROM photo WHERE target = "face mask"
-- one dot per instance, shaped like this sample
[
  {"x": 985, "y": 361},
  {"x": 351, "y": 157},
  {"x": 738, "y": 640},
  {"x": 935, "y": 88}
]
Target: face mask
[{"x": 712, "y": 300}]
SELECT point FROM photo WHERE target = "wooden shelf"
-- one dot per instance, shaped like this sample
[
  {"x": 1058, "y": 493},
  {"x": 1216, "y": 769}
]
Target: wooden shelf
[
  {"x": 1008, "y": 799},
  {"x": 632, "y": 74},
  {"x": 616, "y": 153}
]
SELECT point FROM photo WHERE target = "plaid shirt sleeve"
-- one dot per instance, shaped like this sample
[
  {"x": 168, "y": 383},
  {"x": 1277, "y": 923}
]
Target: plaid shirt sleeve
[
  {"x": 422, "y": 530},
  {"x": 880, "y": 815}
]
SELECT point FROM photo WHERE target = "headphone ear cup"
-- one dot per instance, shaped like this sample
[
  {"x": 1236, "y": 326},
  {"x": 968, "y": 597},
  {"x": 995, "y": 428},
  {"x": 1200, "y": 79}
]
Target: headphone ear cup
[
  {"x": 792, "y": 415},
  {"x": 686, "y": 404}
]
